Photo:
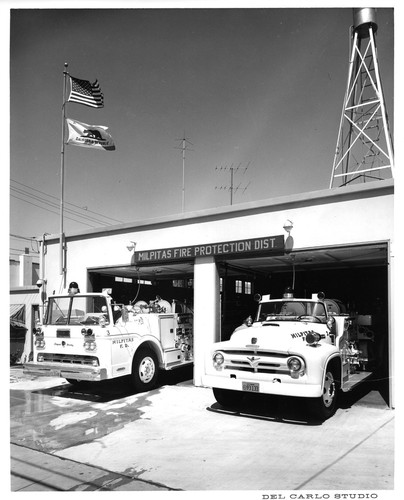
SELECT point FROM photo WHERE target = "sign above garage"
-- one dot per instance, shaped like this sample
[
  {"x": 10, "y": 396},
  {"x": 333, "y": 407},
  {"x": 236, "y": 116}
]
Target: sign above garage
[{"x": 265, "y": 245}]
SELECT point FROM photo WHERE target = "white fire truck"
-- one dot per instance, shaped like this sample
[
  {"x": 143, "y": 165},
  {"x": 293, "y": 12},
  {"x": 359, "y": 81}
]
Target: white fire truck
[
  {"x": 309, "y": 348},
  {"x": 86, "y": 337}
]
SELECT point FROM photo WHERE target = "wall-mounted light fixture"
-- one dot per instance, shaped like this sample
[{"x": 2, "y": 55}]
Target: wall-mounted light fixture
[
  {"x": 288, "y": 226},
  {"x": 132, "y": 246}
]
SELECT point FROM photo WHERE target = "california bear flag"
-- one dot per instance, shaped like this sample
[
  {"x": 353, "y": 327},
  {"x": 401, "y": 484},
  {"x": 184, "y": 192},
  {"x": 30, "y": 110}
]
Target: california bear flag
[{"x": 89, "y": 136}]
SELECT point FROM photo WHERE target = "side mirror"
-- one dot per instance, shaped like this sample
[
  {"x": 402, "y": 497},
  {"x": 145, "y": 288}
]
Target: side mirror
[{"x": 248, "y": 321}]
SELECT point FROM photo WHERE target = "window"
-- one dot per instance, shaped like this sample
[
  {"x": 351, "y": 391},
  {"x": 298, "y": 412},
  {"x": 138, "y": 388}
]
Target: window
[
  {"x": 239, "y": 286},
  {"x": 35, "y": 272},
  {"x": 187, "y": 283},
  {"x": 123, "y": 280},
  {"x": 248, "y": 287},
  {"x": 77, "y": 310},
  {"x": 144, "y": 282}
]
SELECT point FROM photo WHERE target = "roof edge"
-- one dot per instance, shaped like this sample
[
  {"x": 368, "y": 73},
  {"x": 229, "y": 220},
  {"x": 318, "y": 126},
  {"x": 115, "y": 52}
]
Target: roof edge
[{"x": 354, "y": 191}]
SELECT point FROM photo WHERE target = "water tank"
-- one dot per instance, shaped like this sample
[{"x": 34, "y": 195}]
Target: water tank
[{"x": 363, "y": 18}]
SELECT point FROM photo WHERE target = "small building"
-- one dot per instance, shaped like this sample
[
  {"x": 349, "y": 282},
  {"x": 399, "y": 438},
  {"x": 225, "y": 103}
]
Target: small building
[
  {"x": 338, "y": 241},
  {"x": 24, "y": 305}
]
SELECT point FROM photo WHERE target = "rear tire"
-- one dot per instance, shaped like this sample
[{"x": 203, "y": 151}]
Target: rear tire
[
  {"x": 228, "y": 398},
  {"x": 144, "y": 370},
  {"x": 326, "y": 405}
]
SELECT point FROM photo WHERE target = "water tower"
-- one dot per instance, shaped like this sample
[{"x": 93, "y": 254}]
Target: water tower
[{"x": 364, "y": 148}]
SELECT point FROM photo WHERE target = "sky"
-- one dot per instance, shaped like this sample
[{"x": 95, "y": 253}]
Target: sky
[{"x": 256, "y": 88}]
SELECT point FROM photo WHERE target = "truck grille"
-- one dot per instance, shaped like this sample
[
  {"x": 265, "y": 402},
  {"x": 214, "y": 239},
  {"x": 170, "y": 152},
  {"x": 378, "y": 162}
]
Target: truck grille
[
  {"x": 251, "y": 352},
  {"x": 255, "y": 361},
  {"x": 70, "y": 359}
]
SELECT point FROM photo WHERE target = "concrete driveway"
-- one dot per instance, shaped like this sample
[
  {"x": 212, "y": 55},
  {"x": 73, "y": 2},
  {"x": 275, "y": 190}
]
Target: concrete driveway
[{"x": 177, "y": 436}]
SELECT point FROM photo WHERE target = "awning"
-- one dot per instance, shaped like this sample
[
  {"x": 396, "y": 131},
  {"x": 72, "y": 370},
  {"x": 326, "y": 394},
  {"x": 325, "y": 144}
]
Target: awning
[{"x": 17, "y": 316}]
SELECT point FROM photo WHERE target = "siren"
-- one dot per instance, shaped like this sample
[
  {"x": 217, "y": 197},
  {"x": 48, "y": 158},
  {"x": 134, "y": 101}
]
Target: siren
[{"x": 73, "y": 288}]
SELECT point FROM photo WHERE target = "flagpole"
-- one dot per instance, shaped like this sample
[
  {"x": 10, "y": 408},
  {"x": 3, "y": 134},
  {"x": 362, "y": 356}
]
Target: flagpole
[{"x": 62, "y": 175}]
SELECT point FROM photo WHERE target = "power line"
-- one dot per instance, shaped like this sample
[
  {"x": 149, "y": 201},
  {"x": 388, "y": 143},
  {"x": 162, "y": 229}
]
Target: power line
[
  {"x": 22, "y": 237},
  {"x": 54, "y": 205},
  {"x": 51, "y": 211},
  {"x": 71, "y": 204},
  {"x": 32, "y": 241}
]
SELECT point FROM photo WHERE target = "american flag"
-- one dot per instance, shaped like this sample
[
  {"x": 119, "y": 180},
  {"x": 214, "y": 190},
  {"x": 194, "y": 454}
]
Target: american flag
[{"x": 84, "y": 92}]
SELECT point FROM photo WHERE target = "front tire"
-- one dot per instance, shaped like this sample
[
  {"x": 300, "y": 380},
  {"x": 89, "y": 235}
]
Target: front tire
[
  {"x": 326, "y": 405},
  {"x": 144, "y": 370},
  {"x": 74, "y": 382},
  {"x": 80, "y": 384},
  {"x": 228, "y": 398}
]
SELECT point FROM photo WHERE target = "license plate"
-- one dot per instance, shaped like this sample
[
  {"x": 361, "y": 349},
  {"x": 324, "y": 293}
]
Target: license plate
[{"x": 251, "y": 387}]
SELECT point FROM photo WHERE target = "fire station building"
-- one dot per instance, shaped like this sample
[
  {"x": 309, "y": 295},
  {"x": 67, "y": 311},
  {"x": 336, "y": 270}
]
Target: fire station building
[{"x": 338, "y": 241}]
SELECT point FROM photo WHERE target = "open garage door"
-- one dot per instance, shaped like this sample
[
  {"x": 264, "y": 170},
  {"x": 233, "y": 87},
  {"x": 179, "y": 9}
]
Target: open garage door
[
  {"x": 158, "y": 301},
  {"x": 357, "y": 275},
  {"x": 129, "y": 284}
]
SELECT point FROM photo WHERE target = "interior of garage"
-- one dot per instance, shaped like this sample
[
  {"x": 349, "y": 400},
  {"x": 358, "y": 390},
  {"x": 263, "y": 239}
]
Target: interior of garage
[{"x": 356, "y": 275}]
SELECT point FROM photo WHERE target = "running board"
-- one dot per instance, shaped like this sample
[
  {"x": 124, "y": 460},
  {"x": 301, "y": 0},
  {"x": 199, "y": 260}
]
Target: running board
[
  {"x": 274, "y": 415},
  {"x": 355, "y": 379}
]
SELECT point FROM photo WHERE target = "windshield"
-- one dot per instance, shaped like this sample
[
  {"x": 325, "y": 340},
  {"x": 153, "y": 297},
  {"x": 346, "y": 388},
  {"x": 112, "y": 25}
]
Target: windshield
[
  {"x": 288, "y": 310},
  {"x": 77, "y": 310}
]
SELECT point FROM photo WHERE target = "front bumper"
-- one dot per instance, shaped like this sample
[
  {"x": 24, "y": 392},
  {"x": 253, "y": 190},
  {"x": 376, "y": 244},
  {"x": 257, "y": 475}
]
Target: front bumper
[
  {"x": 88, "y": 373},
  {"x": 274, "y": 385}
]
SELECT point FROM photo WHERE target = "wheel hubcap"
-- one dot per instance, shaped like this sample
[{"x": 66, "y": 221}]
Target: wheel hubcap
[
  {"x": 329, "y": 390},
  {"x": 146, "y": 370}
]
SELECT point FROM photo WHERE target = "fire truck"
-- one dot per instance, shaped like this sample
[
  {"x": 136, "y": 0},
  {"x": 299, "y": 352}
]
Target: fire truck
[
  {"x": 306, "y": 348},
  {"x": 88, "y": 337}
]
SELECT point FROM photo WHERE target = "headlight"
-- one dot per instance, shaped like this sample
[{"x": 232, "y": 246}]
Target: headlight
[
  {"x": 39, "y": 338},
  {"x": 296, "y": 366},
  {"x": 39, "y": 343},
  {"x": 90, "y": 345},
  {"x": 218, "y": 360}
]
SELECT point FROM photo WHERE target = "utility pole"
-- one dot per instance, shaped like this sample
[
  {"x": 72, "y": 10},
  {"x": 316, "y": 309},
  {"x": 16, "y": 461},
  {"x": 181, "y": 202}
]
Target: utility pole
[{"x": 184, "y": 147}]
